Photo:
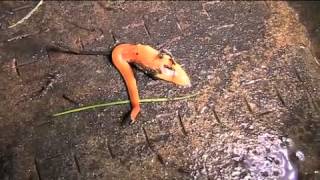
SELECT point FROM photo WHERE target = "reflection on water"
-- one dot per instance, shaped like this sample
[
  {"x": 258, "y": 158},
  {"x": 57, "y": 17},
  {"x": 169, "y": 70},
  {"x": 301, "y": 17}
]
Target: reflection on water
[
  {"x": 272, "y": 157},
  {"x": 267, "y": 156}
]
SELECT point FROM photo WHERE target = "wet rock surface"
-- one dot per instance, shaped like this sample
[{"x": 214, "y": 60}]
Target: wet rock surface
[{"x": 257, "y": 115}]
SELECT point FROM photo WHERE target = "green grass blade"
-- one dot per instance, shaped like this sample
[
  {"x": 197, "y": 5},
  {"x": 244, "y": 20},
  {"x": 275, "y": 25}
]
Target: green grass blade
[{"x": 151, "y": 100}]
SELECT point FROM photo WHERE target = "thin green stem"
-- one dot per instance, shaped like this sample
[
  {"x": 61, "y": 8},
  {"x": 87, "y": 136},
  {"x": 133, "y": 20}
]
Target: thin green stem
[{"x": 151, "y": 100}]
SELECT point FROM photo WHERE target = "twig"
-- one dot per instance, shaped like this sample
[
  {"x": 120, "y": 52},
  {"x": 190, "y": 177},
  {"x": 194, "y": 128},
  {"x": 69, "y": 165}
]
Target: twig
[
  {"x": 28, "y": 15},
  {"x": 152, "y": 100},
  {"x": 19, "y": 37},
  {"x": 21, "y": 8}
]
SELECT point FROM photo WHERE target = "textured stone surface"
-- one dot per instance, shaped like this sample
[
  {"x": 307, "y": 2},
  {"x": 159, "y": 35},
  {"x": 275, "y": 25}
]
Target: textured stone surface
[{"x": 250, "y": 61}]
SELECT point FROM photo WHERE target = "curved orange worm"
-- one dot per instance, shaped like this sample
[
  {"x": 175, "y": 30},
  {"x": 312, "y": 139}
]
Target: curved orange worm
[{"x": 159, "y": 64}]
